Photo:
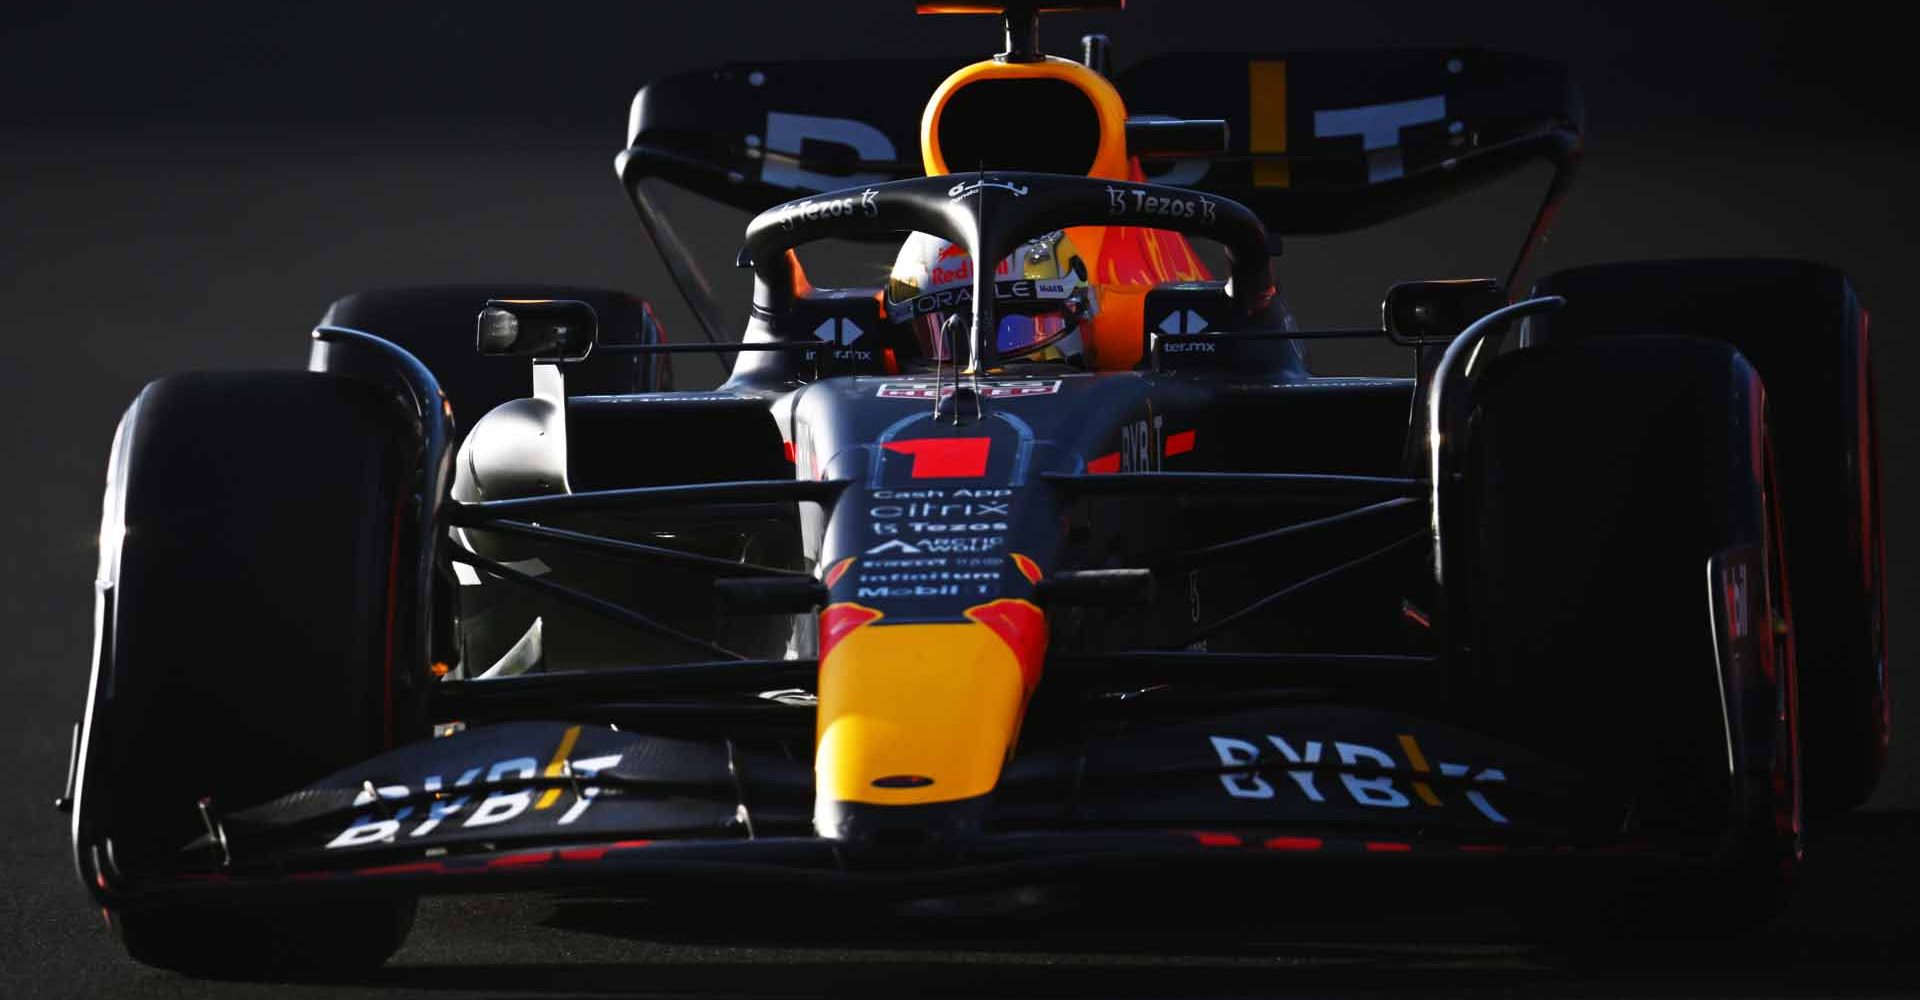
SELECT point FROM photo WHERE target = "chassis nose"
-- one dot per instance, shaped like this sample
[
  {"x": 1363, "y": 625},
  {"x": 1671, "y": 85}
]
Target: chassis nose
[
  {"x": 876, "y": 834},
  {"x": 916, "y": 719}
]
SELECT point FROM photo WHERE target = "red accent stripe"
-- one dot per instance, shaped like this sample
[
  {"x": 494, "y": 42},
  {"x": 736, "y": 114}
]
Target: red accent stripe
[
  {"x": 410, "y": 868},
  {"x": 787, "y": 446},
  {"x": 1028, "y": 568},
  {"x": 1216, "y": 839},
  {"x": 1023, "y": 627},
  {"x": 522, "y": 859},
  {"x": 660, "y": 331},
  {"x": 837, "y": 620},
  {"x": 838, "y": 570},
  {"x": 1105, "y": 464},
  {"x": 596, "y": 853},
  {"x": 1293, "y": 844},
  {"x": 1180, "y": 443},
  {"x": 1387, "y": 847}
]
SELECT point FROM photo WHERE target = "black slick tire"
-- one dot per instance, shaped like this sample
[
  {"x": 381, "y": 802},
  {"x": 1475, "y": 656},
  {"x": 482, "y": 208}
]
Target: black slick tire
[
  {"x": 1630, "y": 612},
  {"x": 246, "y": 646}
]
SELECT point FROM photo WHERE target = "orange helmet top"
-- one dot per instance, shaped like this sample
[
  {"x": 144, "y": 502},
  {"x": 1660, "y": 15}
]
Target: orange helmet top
[{"x": 1056, "y": 116}]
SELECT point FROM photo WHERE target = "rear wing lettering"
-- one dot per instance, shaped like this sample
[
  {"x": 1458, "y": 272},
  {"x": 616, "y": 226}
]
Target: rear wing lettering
[{"x": 1316, "y": 142}]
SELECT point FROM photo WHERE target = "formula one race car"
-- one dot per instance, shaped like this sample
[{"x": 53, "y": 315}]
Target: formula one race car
[{"x": 1059, "y": 571}]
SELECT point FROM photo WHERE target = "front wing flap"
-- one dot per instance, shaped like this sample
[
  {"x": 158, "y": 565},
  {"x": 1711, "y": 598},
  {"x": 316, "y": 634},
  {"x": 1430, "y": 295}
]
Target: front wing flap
[{"x": 529, "y": 804}]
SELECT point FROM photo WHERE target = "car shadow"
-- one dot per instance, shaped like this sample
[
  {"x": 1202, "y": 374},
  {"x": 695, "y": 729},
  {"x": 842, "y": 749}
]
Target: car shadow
[{"x": 1848, "y": 932}]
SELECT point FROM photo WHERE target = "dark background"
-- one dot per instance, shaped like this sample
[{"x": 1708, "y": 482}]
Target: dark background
[{"x": 187, "y": 186}]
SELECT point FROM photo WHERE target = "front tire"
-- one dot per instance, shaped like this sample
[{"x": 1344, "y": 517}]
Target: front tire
[
  {"x": 247, "y": 646},
  {"x": 1804, "y": 329},
  {"x": 1628, "y": 605},
  {"x": 252, "y": 942}
]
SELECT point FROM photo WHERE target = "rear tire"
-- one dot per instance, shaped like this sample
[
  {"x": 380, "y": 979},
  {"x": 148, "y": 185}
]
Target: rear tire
[
  {"x": 1615, "y": 492},
  {"x": 246, "y": 645},
  {"x": 435, "y": 323}
]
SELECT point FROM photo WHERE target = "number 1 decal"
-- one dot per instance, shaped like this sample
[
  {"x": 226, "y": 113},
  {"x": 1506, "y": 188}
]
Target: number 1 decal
[{"x": 946, "y": 458}]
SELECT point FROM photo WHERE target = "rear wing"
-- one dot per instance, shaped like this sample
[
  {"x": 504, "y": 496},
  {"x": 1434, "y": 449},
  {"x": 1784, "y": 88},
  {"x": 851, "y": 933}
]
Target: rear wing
[
  {"x": 1317, "y": 142},
  {"x": 1326, "y": 142},
  {"x": 753, "y": 135}
]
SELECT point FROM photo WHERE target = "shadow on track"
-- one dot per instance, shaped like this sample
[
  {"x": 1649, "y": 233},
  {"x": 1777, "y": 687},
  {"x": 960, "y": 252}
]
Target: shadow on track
[{"x": 1834, "y": 940}]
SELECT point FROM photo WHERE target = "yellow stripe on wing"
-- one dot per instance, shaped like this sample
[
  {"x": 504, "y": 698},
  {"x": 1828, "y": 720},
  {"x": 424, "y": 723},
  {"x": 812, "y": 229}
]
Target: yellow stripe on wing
[
  {"x": 1267, "y": 118},
  {"x": 1419, "y": 762},
  {"x": 556, "y": 767}
]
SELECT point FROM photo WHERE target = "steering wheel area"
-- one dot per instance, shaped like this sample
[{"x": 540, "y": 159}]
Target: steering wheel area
[{"x": 990, "y": 214}]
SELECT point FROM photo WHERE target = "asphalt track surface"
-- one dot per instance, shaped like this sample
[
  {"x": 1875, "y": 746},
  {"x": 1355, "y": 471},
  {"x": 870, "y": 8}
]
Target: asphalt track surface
[{"x": 128, "y": 255}]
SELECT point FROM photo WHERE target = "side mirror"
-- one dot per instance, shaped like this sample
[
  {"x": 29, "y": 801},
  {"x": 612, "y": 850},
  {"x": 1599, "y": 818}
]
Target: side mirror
[
  {"x": 1158, "y": 135},
  {"x": 541, "y": 329},
  {"x": 1434, "y": 312}
]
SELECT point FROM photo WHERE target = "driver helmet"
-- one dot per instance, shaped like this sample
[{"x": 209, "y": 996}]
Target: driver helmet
[{"x": 1041, "y": 297}]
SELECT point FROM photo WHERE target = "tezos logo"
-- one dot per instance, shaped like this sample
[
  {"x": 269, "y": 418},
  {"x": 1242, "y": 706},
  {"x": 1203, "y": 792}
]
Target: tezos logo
[
  {"x": 1119, "y": 200},
  {"x": 812, "y": 210}
]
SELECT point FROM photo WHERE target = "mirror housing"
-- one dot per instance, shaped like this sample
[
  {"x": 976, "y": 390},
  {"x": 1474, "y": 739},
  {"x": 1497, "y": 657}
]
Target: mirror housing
[
  {"x": 1159, "y": 135},
  {"x": 1434, "y": 312},
  {"x": 542, "y": 329}
]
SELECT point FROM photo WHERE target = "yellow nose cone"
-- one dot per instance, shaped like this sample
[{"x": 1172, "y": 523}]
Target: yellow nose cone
[{"x": 918, "y": 713}]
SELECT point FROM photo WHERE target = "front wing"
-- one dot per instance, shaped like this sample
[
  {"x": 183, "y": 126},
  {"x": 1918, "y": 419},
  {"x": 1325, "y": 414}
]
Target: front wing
[{"x": 554, "y": 805}]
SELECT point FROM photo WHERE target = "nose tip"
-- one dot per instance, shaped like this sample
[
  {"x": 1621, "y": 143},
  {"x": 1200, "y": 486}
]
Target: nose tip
[{"x": 881, "y": 831}]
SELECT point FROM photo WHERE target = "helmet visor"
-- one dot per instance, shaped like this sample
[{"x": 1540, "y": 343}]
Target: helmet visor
[
  {"x": 1018, "y": 334},
  {"x": 1015, "y": 334}
]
